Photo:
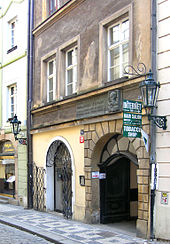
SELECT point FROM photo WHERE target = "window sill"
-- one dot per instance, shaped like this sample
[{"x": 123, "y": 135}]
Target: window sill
[
  {"x": 12, "y": 49},
  {"x": 117, "y": 81}
]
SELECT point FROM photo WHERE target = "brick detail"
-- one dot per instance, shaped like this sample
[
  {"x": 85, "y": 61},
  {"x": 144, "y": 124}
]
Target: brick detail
[
  {"x": 99, "y": 130},
  {"x": 112, "y": 126},
  {"x": 119, "y": 126},
  {"x": 105, "y": 127}
]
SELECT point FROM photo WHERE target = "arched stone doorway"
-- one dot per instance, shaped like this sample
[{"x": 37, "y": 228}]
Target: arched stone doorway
[
  {"x": 97, "y": 135},
  {"x": 118, "y": 189},
  {"x": 59, "y": 178}
]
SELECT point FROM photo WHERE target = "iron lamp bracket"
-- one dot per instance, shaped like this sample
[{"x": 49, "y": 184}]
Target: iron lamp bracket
[{"x": 160, "y": 121}]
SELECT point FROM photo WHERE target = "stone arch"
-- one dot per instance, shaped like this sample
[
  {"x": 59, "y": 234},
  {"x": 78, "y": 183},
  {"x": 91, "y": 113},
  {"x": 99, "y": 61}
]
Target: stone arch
[{"x": 96, "y": 136}]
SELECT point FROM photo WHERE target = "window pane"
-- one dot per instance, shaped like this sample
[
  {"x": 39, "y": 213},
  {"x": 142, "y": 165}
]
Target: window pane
[
  {"x": 12, "y": 100},
  {"x": 69, "y": 76},
  {"x": 69, "y": 89},
  {"x": 125, "y": 30},
  {"x": 12, "y": 108},
  {"x": 50, "y": 96},
  {"x": 125, "y": 52},
  {"x": 52, "y": 6},
  {"x": 114, "y": 73},
  {"x": 12, "y": 90},
  {"x": 114, "y": 57},
  {"x": 70, "y": 58},
  {"x": 50, "y": 84},
  {"x": 51, "y": 68},
  {"x": 114, "y": 35}
]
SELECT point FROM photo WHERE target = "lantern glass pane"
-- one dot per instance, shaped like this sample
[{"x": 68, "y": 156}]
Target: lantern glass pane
[
  {"x": 15, "y": 128},
  {"x": 143, "y": 91}
]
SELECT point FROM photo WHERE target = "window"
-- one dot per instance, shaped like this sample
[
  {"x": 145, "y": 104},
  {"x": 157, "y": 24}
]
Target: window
[
  {"x": 12, "y": 101},
  {"x": 53, "y": 5},
  {"x": 115, "y": 44},
  {"x": 118, "y": 49},
  {"x": 12, "y": 26},
  {"x": 12, "y": 35},
  {"x": 71, "y": 71},
  {"x": 51, "y": 80}
]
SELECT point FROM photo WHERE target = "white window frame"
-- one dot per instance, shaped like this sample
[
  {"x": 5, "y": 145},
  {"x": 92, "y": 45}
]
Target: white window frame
[
  {"x": 12, "y": 96},
  {"x": 12, "y": 32},
  {"x": 72, "y": 67},
  {"x": 118, "y": 45},
  {"x": 51, "y": 76}
]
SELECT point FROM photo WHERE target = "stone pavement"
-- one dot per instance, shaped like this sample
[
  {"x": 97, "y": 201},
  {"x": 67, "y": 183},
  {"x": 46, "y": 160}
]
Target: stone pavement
[
  {"x": 56, "y": 229},
  {"x": 11, "y": 235}
]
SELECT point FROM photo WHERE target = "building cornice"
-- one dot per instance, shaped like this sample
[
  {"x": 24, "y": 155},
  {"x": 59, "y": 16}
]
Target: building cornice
[
  {"x": 14, "y": 60},
  {"x": 121, "y": 84},
  {"x": 56, "y": 16}
]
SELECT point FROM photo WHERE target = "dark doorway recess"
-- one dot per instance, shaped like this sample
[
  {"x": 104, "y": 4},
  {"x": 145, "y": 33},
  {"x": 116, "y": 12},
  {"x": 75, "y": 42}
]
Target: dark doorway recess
[{"x": 115, "y": 190}]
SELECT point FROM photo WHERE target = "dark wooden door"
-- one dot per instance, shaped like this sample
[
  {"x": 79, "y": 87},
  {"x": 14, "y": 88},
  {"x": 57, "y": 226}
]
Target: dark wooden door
[{"x": 114, "y": 191}]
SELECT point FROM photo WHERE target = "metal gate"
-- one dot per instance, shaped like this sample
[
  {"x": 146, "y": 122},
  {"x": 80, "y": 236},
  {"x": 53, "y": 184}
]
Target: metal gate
[
  {"x": 59, "y": 158},
  {"x": 38, "y": 188}
]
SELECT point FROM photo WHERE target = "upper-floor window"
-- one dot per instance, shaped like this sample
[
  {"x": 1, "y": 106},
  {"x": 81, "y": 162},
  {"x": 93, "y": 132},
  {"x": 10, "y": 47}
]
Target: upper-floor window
[
  {"x": 71, "y": 71},
  {"x": 53, "y": 5},
  {"x": 118, "y": 49},
  {"x": 12, "y": 100},
  {"x": 51, "y": 80},
  {"x": 12, "y": 45},
  {"x": 13, "y": 28}
]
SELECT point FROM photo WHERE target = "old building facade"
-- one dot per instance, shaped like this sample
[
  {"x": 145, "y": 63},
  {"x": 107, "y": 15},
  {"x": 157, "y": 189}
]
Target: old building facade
[
  {"x": 83, "y": 166},
  {"x": 13, "y": 77}
]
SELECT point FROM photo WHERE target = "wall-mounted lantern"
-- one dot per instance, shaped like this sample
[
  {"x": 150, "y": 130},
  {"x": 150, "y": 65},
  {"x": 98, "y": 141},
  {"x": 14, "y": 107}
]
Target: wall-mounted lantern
[
  {"x": 149, "y": 90},
  {"x": 16, "y": 129},
  {"x": 15, "y": 126}
]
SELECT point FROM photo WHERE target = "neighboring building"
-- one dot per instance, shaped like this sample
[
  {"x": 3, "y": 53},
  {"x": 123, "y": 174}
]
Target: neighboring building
[
  {"x": 162, "y": 203},
  {"x": 13, "y": 78},
  {"x": 80, "y": 50}
]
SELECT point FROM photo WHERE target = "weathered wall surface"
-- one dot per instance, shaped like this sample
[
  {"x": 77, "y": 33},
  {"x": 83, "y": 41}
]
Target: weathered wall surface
[{"x": 78, "y": 22}]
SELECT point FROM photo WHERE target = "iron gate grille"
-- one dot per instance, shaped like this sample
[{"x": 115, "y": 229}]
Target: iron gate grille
[
  {"x": 38, "y": 188},
  {"x": 58, "y": 156}
]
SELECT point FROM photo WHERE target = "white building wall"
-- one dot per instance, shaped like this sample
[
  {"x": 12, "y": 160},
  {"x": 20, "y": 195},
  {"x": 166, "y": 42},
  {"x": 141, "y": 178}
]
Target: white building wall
[
  {"x": 162, "y": 209},
  {"x": 14, "y": 71},
  {"x": 15, "y": 62}
]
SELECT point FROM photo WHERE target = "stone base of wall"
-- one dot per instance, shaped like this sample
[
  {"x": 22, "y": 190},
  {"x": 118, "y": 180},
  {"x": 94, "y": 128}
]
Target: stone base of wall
[
  {"x": 141, "y": 228},
  {"x": 79, "y": 213}
]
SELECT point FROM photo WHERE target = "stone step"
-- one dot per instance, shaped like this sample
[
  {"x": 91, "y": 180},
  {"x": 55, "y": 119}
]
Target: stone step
[
  {"x": 10, "y": 200},
  {"x": 4, "y": 199}
]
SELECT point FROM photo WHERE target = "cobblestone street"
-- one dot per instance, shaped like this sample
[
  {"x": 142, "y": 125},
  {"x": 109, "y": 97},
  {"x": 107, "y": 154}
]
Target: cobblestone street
[{"x": 12, "y": 235}]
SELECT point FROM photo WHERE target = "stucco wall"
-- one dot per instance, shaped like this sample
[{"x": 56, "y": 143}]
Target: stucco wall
[
  {"x": 41, "y": 143},
  {"x": 78, "y": 22}
]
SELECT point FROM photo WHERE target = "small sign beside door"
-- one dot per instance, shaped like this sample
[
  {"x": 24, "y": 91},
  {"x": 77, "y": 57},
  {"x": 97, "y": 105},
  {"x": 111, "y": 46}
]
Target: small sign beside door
[
  {"x": 81, "y": 139},
  {"x": 164, "y": 198},
  {"x": 98, "y": 175}
]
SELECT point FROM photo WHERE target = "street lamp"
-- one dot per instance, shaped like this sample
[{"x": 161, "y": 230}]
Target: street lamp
[
  {"x": 15, "y": 126},
  {"x": 149, "y": 90}
]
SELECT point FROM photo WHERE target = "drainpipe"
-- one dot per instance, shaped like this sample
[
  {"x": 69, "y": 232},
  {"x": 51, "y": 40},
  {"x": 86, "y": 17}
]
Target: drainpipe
[
  {"x": 29, "y": 100},
  {"x": 153, "y": 126}
]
